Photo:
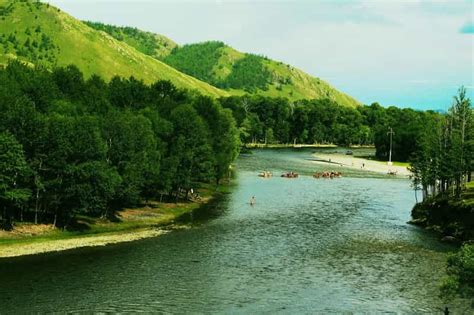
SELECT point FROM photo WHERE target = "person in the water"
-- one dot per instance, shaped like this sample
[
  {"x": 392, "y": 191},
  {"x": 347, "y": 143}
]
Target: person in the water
[{"x": 252, "y": 200}]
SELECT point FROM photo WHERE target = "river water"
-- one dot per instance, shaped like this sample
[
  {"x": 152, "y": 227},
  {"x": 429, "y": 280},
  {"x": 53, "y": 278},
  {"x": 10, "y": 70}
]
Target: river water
[{"x": 307, "y": 246}]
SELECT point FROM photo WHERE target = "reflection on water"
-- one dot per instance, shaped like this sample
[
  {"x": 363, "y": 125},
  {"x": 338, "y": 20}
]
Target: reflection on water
[{"x": 306, "y": 246}]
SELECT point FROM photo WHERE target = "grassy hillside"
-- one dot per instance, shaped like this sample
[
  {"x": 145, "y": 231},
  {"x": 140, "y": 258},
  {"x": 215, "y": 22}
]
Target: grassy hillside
[
  {"x": 237, "y": 72},
  {"x": 155, "y": 45},
  {"x": 44, "y": 35}
]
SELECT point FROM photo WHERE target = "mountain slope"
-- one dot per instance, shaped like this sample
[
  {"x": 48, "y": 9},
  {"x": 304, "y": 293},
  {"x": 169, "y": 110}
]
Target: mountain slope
[
  {"x": 226, "y": 68},
  {"x": 151, "y": 44},
  {"x": 41, "y": 34}
]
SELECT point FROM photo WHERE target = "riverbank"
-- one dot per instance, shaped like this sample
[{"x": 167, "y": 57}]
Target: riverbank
[
  {"x": 291, "y": 145},
  {"x": 152, "y": 220},
  {"x": 287, "y": 145},
  {"x": 361, "y": 163},
  {"x": 452, "y": 218}
]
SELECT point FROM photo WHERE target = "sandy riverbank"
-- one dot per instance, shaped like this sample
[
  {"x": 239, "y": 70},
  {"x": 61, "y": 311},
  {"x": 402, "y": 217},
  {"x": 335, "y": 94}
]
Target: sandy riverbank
[
  {"x": 152, "y": 220},
  {"x": 359, "y": 163},
  {"x": 47, "y": 246}
]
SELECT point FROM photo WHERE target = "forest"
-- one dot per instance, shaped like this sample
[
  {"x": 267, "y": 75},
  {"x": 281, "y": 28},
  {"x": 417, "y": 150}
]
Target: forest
[
  {"x": 442, "y": 162},
  {"x": 276, "y": 120},
  {"x": 72, "y": 146},
  {"x": 442, "y": 166}
]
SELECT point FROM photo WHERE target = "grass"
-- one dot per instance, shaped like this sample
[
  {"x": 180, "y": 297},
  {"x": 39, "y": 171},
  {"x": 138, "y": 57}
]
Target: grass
[
  {"x": 405, "y": 164},
  {"x": 395, "y": 163},
  {"x": 287, "y": 81},
  {"x": 468, "y": 194},
  {"x": 154, "y": 45},
  {"x": 93, "y": 52},
  {"x": 132, "y": 221},
  {"x": 302, "y": 86}
]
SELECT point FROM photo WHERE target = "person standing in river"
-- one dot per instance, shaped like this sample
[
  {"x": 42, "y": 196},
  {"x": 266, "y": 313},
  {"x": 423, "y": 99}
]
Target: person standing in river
[{"x": 252, "y": 200}]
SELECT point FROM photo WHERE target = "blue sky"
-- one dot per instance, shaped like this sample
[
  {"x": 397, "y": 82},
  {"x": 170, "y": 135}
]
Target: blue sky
[{"x": 403, "y": 53}]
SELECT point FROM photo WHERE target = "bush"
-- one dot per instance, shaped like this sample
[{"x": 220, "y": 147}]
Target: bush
[{"x": 460, "y": 269}]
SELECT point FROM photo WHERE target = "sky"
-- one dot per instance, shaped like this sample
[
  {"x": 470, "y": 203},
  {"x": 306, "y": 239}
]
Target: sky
[{"x": 403, "y": 53}]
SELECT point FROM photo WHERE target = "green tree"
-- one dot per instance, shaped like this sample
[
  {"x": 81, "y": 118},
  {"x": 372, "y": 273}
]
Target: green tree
[
  {"x": 191, "y": 148},
  {"x": 13, "y": 170}
]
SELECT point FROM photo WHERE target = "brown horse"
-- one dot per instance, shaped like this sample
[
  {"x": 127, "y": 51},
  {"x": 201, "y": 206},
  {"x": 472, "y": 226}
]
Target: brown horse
[{"x": 290, "y": 175}]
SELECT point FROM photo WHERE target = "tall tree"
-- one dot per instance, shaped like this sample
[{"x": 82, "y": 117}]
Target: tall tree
[{"x": 13, "y": 170}]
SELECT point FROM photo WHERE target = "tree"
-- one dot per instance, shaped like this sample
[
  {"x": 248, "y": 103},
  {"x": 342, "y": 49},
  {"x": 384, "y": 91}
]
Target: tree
[
  {"x": 224, "y": 136},
  {"x": 462, "y": 124},
  {"x": 13, "y": 170},
  {"x": 226, "y": 144},
  {"x": 443, "y": 155},
  {"x": 91, "y": 187},
  {"x": 132, "y": 150},
  {"x": 191, "y": 148}
]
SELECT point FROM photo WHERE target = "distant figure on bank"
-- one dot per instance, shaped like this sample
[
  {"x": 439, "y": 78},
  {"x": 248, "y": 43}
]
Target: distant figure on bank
[
  {"x": 446, "y": 311},
  {"x": 252, "y": 200}
]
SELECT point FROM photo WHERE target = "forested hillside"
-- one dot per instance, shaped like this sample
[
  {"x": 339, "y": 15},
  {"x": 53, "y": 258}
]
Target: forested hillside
[
  {"x": 237, "y": 72},
  {"x": 70, "y": 145},
  {"x": 43, "y": 35}
]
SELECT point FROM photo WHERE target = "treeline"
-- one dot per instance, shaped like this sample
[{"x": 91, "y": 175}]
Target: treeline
[
  {"x": 443, "y": 160},
  {"x": 276, "y": 120},
  {"x": 72, "y": 146}
]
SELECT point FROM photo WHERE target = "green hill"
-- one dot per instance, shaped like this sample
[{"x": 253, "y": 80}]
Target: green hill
[
  {"x": 41, "y": 34},
  {"x": 151, "y": 44},
  {"x": 226, "y": 68}
]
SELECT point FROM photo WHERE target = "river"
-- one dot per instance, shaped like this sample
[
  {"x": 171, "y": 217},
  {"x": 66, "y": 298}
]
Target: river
[{"x": 306, "y": 246}]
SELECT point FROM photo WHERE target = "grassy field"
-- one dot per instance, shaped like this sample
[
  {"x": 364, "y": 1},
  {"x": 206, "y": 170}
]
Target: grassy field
[
  {"x": 44, "y": 35},
  {"x": 132, "y": 224}
]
